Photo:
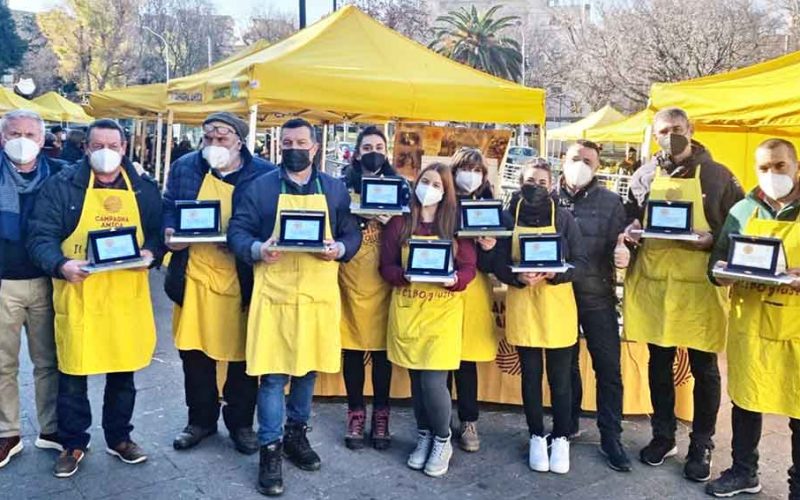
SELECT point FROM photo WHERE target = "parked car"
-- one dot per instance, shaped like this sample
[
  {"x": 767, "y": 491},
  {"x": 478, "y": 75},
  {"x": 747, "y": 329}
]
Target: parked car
[{"x": 520, "y": 154}]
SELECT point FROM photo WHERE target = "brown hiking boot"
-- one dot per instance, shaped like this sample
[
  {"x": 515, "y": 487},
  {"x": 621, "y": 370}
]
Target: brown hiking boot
[
  {"x": 379, "y": 434},
  {"x": 356, "y": 420},
  {"x": 468, "y": 439}
]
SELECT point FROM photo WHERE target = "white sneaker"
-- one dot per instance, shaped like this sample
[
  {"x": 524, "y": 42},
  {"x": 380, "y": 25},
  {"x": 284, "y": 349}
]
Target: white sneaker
[
  {"x": 439, "y": 459},
  {"x": 418, "y": 457},
  {"x": 537, "y": 456},
  {"x": 559, "y": 456}
]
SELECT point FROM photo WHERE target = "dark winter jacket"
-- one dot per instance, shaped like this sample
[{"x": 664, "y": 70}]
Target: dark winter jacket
[
  {"x": 185, "y": 180},
  {"x": 601, "y": 218},
  {"x": 58, "y": 208},
  {"x": 256, "y": 210},
  {"x": 572, "y": 242}
]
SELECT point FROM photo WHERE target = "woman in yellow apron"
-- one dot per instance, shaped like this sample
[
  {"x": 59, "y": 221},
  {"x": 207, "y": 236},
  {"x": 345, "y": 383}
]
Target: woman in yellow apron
[
  {"x": 211, "y": 290},
  {"x": 479, "y": 342},
  {"x": 542, "y": 316},
  {"x": 104, "y": 321},
  {"x": 764, "y": 335},
  {"x": 365, "y": 305},
  {"x": 425, "y": 320}
]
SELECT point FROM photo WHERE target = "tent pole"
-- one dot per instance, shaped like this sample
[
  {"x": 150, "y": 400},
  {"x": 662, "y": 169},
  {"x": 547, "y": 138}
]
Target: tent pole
[
  {"x": 324, "y": 161},
  {"x": 168, "y": 152},
  {"x": 143, "y": 143},
  {"x": 542, "y": 140},
  {"x": 251, "y": 139},
  {"x": 273, "y": 141},
  {"x": 648, "y": 138},
  {"x": 132, "y": 139},
  {"x": 159, "y": 133}
]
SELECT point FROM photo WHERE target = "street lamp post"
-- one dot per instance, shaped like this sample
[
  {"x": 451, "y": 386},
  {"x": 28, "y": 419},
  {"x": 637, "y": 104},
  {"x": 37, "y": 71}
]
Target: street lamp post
[
  {"x": 521, "y": 140},
  {"x": 166, "y": 49}
]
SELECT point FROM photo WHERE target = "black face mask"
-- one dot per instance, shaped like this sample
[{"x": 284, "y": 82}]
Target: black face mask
[
  {"x": 372, "y": 162},
  {"x": 296, "y": 160},
  {"x": 673, "y": 144},
  {"x": 534, "y": 194}
]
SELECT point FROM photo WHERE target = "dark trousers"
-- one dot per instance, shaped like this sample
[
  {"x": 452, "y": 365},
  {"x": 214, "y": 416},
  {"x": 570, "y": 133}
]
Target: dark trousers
[
  {"x": 353, "y": 371},
  {"x": 202, "y": 396},
  {"x": 746, "y": 426},
  {"x": 707, "y": 393},
  {"x": 466, "y": 380},
  {"x": 432, "y": 402},
  {"x": 559, "y": 362},
  {"x": 601, "y": 330},
  {"x": 75, "y": 414}
]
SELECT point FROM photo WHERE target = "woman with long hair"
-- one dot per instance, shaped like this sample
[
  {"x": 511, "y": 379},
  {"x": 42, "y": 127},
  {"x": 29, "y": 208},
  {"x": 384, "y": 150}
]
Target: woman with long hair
[
  {"x": 425, "y": 319},
  {"x": 479, "y": 342}
]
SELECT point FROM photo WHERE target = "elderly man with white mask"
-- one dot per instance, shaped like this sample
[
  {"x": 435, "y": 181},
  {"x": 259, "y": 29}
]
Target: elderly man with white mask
[{"x": 26, "y": 294}]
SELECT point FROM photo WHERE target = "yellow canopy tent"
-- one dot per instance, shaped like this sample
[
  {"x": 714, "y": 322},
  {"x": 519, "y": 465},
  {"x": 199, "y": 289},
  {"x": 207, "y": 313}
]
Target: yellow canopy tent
[
  {"x": 733, "y": 112},
  {"x": 355, "y": 68},
  {"x": 577, "y": 130},
  {"x": 9, "y": 101},
  {"x": 630, "y": 129},
  {"x": 66, "y": 110}
]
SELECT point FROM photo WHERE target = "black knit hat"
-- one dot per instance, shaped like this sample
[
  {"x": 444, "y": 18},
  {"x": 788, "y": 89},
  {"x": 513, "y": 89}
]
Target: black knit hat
[{"x": 236, "y": 123}]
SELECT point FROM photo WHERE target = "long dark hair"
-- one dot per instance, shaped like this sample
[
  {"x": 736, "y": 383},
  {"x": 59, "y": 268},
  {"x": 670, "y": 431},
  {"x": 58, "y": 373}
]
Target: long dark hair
[
  {"x": 444, "y": 224},
  {"x": 469, "y": 158}
]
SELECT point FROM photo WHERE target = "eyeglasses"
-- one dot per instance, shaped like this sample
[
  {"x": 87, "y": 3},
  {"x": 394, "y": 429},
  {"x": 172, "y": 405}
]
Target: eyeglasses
[{"x": 219, "y": 129}]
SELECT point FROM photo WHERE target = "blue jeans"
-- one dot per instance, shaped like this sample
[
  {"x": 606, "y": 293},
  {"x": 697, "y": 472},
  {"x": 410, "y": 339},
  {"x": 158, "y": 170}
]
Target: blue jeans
[
  {"x": 75, "y": 414},
  {"x": 272, "y": 404}
]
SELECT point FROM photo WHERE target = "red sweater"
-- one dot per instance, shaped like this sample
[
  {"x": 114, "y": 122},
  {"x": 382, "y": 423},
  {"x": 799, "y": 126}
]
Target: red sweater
[{"x": 391, "y": 267}]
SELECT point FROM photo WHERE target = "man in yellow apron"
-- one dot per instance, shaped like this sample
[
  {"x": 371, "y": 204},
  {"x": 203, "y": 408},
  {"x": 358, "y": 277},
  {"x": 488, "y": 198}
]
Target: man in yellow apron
[
  {"x": 293, "y": 322},
  {"x": 764, "y": 339},
  {"x": 103, "y": 321},
  {"x": 211, "y": 289},
  {"x": 669, "y": 302}
]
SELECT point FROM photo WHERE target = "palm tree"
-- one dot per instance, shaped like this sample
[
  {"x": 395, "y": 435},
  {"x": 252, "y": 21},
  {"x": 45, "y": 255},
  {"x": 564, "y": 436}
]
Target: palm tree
[{"x": 476, "y": 39}]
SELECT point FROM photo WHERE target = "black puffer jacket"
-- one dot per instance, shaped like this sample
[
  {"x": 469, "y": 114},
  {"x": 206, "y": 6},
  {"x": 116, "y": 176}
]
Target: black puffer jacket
[{"x": 601, "y": 218}]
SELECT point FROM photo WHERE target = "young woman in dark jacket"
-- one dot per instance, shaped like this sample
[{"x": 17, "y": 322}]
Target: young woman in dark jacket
[
  {"x": 541, "y": 314},
  {"x": 365, "y": 304}
]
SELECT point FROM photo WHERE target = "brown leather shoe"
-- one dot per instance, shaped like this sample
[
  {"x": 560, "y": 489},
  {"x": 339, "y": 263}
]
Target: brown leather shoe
[
  {"x": 129, "y": 452},
  {"x": 67, "y": 463},
  {"x": 9, "y": 446}
]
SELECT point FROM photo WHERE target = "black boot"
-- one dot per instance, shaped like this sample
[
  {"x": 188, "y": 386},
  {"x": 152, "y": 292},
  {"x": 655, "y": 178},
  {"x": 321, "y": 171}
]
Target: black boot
[
  {"x": 794, "y": 484},
  {"x": 191, "y": 436},
  {"x": 698, "y": 462},
  {"x": 270, "y": 470},
  {"x": 297, "y": 448},
  {"x": 245, "y": 440}
]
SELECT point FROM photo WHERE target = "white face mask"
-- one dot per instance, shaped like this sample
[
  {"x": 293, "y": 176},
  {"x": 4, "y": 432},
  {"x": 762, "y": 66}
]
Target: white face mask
[
  {"x": 428, "y": 195},
  {"x": 217, "y": 156},
  {"x": 577, "y": 174},
  {"x": 105, "y": 161},
  {"x": 776, "y": 186},
  {"x": 468, "y": 181},
  {"x": 21, "y": 150}
]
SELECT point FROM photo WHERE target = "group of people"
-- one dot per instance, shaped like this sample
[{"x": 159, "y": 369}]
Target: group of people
[{"x": 272, "y": 316}]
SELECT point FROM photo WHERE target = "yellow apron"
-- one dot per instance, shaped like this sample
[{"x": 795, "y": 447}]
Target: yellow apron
[
  {"x": 293, "y": 324},
  {"x": 544, "y": 315},
  {"x": 104, "y": 324},
  {"x": 479, "y": 341},
  {"x": 669, "y": 300},
  {"x": 764, "y": 339},
  {"x": 425, "y": 325},
  {"x": 211, "y": 319},
  {"x": 365, "y": 295}
]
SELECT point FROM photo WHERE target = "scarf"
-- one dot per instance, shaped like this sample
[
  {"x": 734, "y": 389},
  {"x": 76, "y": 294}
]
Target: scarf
[{"x": 12, "y": 185}]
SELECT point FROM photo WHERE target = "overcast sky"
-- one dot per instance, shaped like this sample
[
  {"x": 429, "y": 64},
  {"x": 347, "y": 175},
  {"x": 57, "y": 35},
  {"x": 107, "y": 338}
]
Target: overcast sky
[{"x": 241, "y": 10}]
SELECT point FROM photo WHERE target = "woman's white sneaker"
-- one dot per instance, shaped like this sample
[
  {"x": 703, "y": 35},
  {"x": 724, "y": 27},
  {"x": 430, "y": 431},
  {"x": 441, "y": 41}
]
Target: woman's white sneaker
[
  {"x": 559, "y": 456},
  {"x": 537, "y": 456},
  {"x": 418, "y": 457},
  {"x": 439, "y": 460}
]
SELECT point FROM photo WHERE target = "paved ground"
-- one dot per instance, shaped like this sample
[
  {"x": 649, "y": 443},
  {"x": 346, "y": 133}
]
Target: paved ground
[{"x": 216, "y": 470}]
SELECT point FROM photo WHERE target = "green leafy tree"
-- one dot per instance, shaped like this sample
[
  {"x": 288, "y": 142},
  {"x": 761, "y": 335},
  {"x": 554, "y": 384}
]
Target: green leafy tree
[
  {"x": 479, "y": 40},
  {"x": 13, "y": 48}
]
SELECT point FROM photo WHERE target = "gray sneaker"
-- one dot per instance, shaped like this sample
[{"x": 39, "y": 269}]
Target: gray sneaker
[
  {"x": 439, "y": 459},
  {"x": 420, "y": 454},
  {"x": 468, "y": 439}
]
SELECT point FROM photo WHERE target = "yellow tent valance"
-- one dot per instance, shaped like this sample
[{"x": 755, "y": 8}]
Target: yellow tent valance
[
  {"x": 578, "y": 130},
  {"x": 9, "y": 101}
]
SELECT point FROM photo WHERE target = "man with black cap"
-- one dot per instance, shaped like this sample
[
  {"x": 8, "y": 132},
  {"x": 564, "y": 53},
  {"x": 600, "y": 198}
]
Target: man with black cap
[{"x": 210, "y": 288}]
